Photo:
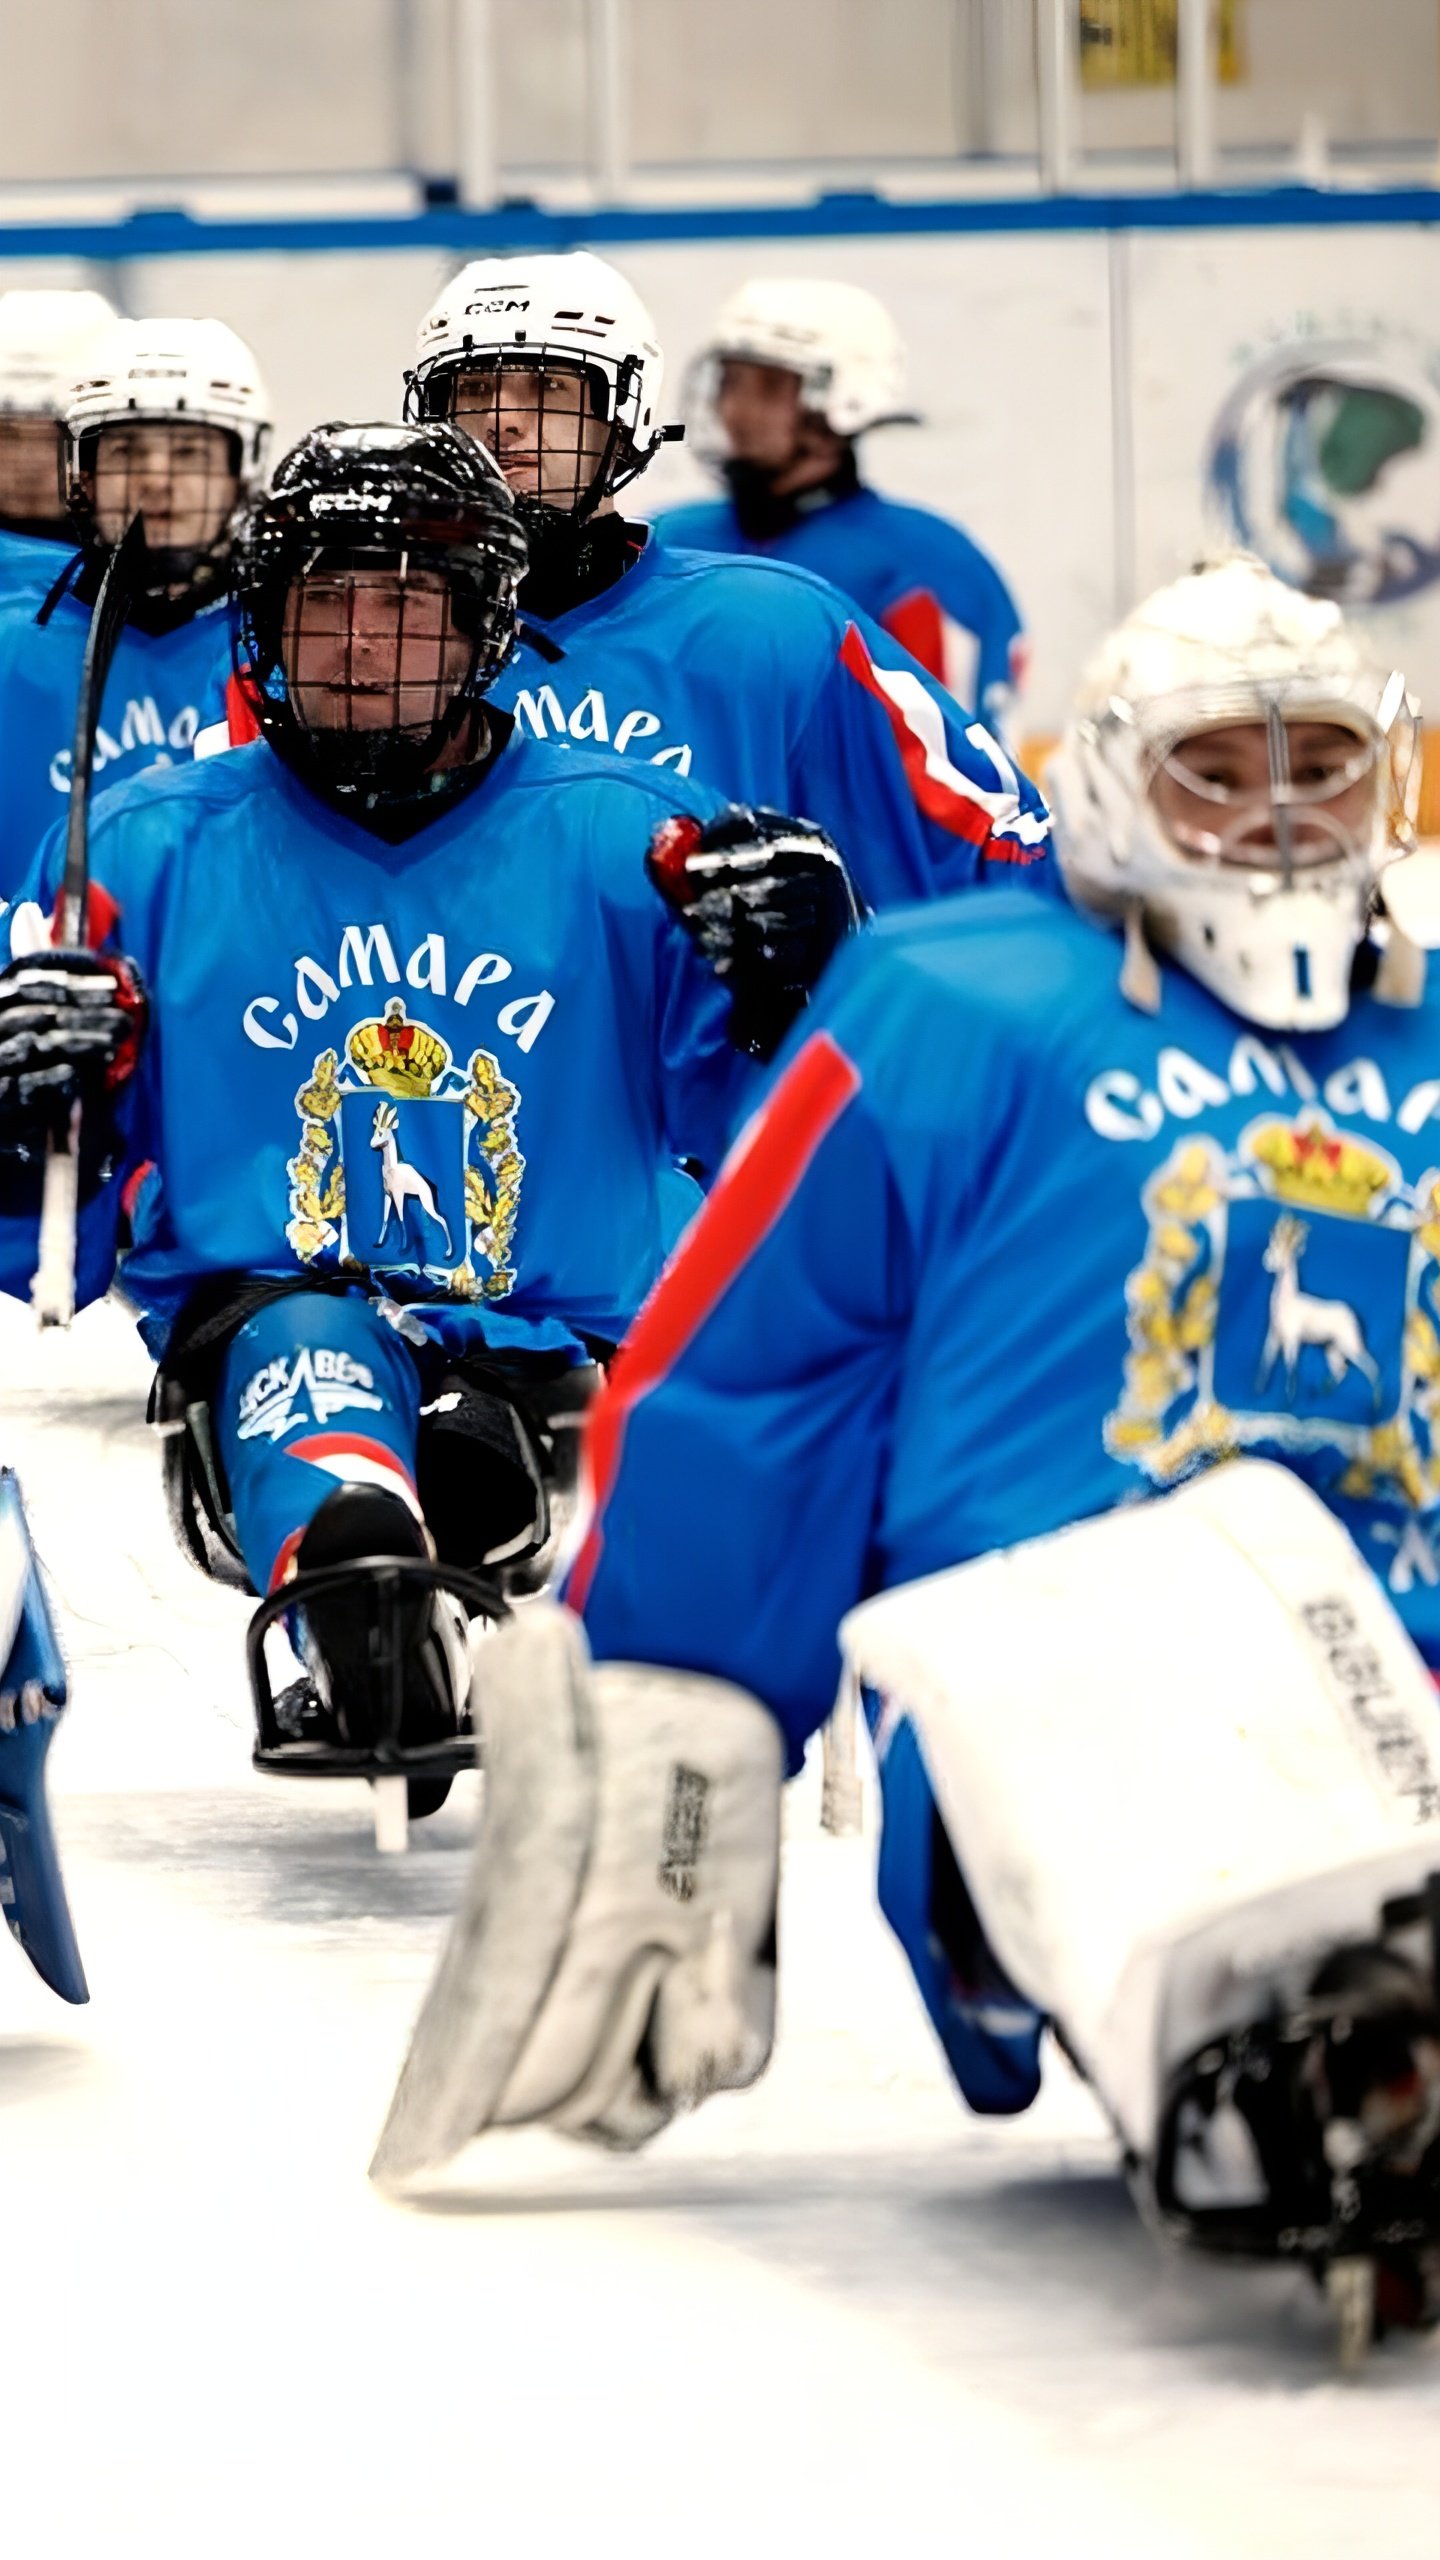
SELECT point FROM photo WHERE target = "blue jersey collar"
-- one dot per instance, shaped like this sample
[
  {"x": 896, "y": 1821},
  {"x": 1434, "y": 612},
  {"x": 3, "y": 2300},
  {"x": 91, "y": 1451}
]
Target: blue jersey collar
[{"x": 595, "y": 608}]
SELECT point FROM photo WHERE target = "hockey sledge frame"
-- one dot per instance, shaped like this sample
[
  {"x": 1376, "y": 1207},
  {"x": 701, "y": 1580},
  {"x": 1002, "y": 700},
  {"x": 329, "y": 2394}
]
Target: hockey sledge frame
[
  {"x": 394, "y": 1578},
  {"x": 1359, "y": 2227}
]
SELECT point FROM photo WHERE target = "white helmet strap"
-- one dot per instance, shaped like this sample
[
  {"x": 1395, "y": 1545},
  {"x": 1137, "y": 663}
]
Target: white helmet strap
[{"x": 1140, "y": 972}]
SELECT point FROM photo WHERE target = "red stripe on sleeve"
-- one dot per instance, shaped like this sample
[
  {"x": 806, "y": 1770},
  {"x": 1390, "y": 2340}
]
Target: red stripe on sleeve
[
  {"x": 935, "y": 794},
  {"x": 240, "y": 718},
  {"x": 760, "y": 1179},
  {"x": 133, "y": 1186},
  {"x": 917, "y": 622}
]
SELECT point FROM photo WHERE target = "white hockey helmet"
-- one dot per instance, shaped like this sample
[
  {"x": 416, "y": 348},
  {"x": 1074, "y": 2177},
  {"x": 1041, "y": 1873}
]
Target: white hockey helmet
[
  {"x": 568, "y": 308},
  {"x": 1264, "y": 899},
  {"x": 838, "y": 338},
  {"x": 167, "y": 369},
  {"x": 44, "y": 338}
]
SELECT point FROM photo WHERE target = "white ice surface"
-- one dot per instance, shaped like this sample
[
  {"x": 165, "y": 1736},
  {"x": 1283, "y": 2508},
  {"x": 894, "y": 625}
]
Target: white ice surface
[{"x": 834, "y": 2315}]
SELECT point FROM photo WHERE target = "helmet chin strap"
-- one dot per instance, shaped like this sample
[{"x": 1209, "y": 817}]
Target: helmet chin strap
[
  {"x": 572, "y": 557},
  {"x": 764, "y": 515},
  {"x": 1140, "y": 980},
  {"x": 1400, "y": 978}
]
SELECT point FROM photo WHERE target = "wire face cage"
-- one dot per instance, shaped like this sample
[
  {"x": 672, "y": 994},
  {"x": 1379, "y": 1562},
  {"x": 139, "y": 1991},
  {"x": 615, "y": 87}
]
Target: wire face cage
[
  {"x": 561, "y": 430},
  {"x": 182, "y": 477},
  {"x": 32, "y": 474},
  {"x": 374, "y": 648}
]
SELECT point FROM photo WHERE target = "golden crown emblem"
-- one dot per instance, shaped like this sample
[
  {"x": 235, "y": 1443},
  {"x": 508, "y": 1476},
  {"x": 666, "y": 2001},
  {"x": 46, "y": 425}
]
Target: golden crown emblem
[
  {"x": 1313, "y": 1168},
  {"x": 399, "y": 1057}
]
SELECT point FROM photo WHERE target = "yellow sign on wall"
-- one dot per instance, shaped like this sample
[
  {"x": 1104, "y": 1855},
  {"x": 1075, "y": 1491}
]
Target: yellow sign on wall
[{"x": 1134, "y": 44}]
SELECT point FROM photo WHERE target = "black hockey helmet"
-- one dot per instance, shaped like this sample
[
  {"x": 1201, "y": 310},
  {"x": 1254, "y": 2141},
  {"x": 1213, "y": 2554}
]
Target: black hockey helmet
[{"x": 375, "y": 602}]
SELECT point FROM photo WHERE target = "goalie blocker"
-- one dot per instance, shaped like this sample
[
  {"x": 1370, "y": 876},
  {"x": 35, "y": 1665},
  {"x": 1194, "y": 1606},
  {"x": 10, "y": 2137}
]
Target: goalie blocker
[{"x": 1213, "y": 1867}]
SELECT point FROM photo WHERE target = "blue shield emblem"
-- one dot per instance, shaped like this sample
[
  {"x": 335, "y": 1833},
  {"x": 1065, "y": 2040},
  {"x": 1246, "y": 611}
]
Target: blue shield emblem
[
  {"x": 404, "y": 1164},
  {"x": 1312, "y": 1315}
]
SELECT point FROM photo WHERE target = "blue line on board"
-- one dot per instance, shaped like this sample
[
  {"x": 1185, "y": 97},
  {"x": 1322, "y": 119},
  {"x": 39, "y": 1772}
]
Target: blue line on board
[{"x": 169, "y": 231}]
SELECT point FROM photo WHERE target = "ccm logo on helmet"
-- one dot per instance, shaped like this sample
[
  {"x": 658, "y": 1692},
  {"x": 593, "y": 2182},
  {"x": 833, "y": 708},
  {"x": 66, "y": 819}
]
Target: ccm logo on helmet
[{"x": 352, "y": 502}]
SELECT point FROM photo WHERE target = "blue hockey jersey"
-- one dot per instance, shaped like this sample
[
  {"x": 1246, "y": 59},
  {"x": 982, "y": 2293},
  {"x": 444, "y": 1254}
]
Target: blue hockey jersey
[
  {"x": 913, "y": 572},
  {"x": 999, "y": 1253},
  {"x": 761, "y": 680},
  {"x": 160, "y": 691},
  {"x": 455, "y": 1063},
  {"x": 29, "y": 567}
]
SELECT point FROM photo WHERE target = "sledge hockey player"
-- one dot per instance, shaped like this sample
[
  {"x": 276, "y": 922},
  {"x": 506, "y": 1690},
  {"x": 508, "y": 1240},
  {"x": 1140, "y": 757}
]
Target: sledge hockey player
[
  {"x": 420, "y": 1031},
  {"x": 169, "y": 420},
  {"x": 1036, "y": 1222},
  {"x": 797, "y": 370},
  {"x": 756, "y": 677},
  {"x": 43, "y": 340}
]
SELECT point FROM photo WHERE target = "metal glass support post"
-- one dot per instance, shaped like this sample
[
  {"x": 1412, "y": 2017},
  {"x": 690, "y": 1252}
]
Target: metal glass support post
[
  {"x": 1195, "y": 94},
  {"x": 477, "y": 151},
  {"x": 1055, "y": 68},
  {"x": 609, "y": 136},
  {"x": 1119, "y": 251}
]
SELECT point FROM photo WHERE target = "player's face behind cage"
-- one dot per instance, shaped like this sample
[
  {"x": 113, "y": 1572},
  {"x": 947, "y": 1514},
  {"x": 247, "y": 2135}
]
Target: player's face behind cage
[
  {"x": 1290, "y": 793},
  {"x": 181, "y": 475},
  {"x": 32, "y": 476},
  {"x": 546, "y": 425},
  {"x": 373, "y": 649},
  {"x": 757, "y": 408}
]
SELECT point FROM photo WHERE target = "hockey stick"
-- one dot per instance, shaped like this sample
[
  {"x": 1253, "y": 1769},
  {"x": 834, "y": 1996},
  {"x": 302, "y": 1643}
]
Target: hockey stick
[{"x": 52, "y": 1291}]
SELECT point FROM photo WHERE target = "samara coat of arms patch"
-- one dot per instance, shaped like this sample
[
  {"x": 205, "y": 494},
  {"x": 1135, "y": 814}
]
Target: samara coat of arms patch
[{"x": 408, "y": 1162}]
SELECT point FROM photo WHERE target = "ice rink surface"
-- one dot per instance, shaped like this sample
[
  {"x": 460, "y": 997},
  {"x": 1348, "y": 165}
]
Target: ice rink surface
[{"x": 836, "y": 2314}]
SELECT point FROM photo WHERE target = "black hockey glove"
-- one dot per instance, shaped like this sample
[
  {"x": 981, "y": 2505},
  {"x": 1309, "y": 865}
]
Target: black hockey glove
[
  {"x": 767, "y": 899},
  {"x": 71, "y": 1026}
]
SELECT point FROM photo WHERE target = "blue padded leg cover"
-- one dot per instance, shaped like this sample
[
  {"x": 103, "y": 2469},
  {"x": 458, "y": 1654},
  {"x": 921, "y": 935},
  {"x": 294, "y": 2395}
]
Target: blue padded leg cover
[
  {"x": 991, "y": 2035},
  {"x": 32, "y": 1693}
]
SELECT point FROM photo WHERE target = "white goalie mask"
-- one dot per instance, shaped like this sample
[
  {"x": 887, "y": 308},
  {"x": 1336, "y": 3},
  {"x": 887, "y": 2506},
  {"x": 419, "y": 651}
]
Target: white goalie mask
[
  {"x": 553, "y": 319},
  {"x": 1236, "y": 773},
  {"x": 839, "y": 340}
]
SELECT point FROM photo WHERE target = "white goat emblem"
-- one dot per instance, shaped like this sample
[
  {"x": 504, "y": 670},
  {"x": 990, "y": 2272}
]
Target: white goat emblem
[
  {"x": 1297, "y": 1320},
  {"x": 400, "y": 1180}
]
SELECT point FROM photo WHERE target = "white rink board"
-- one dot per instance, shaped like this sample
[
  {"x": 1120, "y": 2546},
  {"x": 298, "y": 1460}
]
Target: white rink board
[
  {"x": 1010, "y": 371},
  {"x": 1022, "y": 460},
  {"x": 835, "y": 2314},
  {"x": 1015, "y": 343}
]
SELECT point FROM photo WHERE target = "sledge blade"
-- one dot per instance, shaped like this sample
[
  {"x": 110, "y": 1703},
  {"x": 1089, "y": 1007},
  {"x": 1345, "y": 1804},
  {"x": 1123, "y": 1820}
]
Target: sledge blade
[{"x": 1350, "y": 2292}]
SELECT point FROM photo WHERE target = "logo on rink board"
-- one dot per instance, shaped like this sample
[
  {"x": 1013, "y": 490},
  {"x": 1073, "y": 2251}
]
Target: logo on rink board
[
  {"x": 406, "y": 1161},
  {"x": 1323, "y": 458},
  {"x": 1288, "y": 1296}
]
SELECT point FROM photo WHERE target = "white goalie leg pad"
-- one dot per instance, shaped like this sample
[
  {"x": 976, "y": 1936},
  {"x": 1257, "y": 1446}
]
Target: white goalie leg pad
[
  {"x": 613, "y": 1960},
  {"x": 1182, "y": 1752}
]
